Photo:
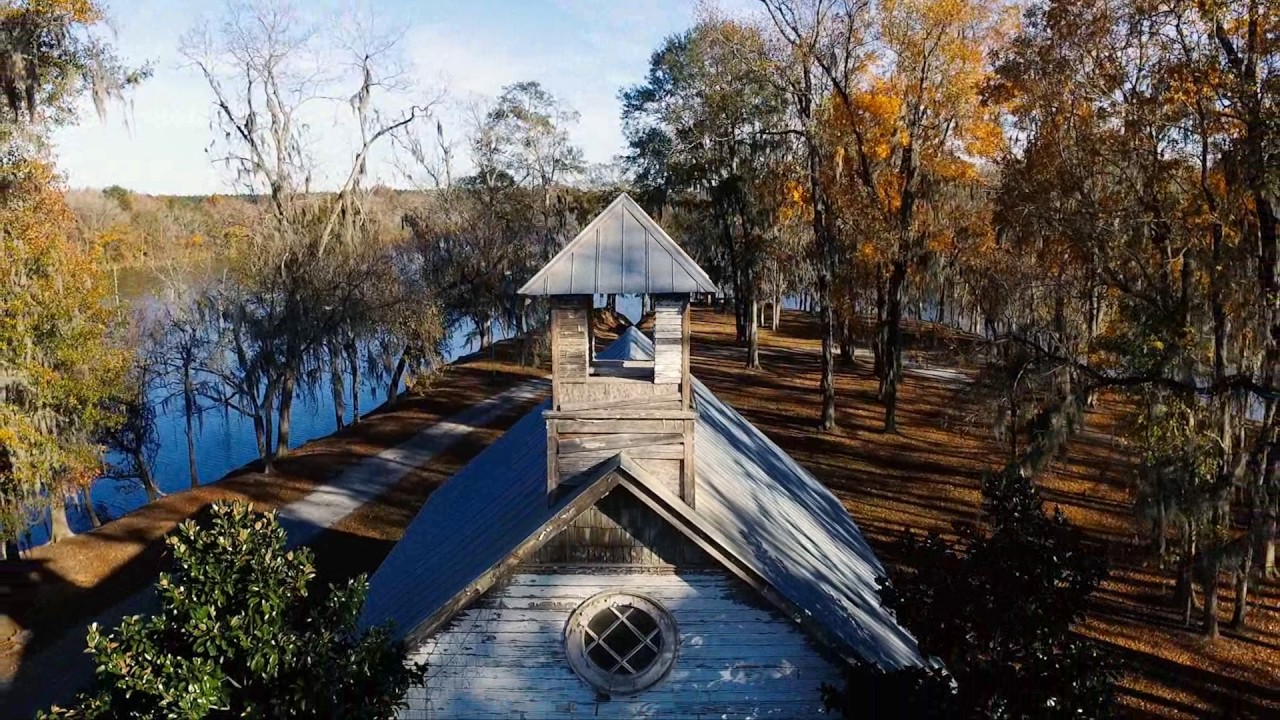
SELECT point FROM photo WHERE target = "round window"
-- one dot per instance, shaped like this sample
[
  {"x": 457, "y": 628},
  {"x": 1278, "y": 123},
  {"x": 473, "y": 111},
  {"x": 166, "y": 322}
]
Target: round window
[{"x": 621, "y": 642}]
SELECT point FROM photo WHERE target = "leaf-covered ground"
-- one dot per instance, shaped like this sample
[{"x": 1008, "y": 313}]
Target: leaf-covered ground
[{"x": 927, "y": 476}]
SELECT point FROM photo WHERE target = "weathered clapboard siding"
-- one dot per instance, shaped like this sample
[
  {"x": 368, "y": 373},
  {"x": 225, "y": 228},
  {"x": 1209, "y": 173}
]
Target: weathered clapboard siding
[
  {"x": 570, "y": 341},
  {"x": 666, "y": 471},
  {"x": 600, "y": 393},
  {"x": 620, "y": 530},
  {"x": 620, "y": 426},
  {"x": 668, "y": 338},
  {"x": 572, "y": 443},
  {"x": 645, "y": 419},
  {"x": 504, "y": 656},
  {"x": 657, "y": 462}
]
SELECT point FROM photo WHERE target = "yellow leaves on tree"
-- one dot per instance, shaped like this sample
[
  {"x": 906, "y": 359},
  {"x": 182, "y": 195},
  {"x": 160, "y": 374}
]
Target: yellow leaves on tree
[
  {"x": 876, "y": 113},
  {"x": 84, "y": 12},
  {"x": 57, "y": 362},
  {"x": 796, "y": 203},
  {"x": 935, "y": 59},
  {"x": 916, "y": 128}
]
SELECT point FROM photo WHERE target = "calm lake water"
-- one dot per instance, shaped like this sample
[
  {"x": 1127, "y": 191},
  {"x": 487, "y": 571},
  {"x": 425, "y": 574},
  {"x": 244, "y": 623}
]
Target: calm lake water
[{"x": 225, "y": 439}]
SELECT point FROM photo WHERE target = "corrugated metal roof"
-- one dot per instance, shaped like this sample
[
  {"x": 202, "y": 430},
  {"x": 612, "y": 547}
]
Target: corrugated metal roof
[
  {"x": 774, "y": 517},
  {"x": 621, "y": 251}
]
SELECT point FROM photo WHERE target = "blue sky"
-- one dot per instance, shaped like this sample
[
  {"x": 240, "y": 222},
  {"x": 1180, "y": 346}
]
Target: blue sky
[{"x": 582, "y": 50}]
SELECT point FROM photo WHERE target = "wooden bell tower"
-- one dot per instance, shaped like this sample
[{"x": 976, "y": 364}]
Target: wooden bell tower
[{"x": 640, "y": 405}]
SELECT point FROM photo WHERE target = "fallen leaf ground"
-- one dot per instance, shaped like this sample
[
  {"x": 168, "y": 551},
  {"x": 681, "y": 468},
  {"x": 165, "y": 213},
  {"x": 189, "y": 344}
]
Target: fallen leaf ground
[{"x": 927, "y": 476}]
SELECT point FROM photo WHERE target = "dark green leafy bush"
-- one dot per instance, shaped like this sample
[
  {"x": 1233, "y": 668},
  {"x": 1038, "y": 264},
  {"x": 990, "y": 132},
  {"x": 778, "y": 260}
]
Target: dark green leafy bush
[
  {"x": 996, "y": 607},
  {"x": 243, "y": 632}
]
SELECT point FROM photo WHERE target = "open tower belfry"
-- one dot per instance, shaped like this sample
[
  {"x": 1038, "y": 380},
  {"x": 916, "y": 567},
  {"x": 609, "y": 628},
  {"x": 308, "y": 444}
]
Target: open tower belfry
[{"x": 599, "y": 407}]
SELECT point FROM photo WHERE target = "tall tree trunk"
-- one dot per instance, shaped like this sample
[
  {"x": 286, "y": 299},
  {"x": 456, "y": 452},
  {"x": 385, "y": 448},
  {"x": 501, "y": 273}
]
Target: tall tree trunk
[
  {"x": 893, "y": 345},
  {"x": 751, "y": 316},
  {"x": 286, "y": 413},
  {"x": 90, "y": 510},
  {"x": 189, "y": 411},
  {"x": 260, "y": 434},
  {"x": 739, "y": 310},
  {"x": 1239, "y": 616},
  {"x": 353, "y": 361},
  {"x": 59, "y": 527},
  {"x": 828, "y": 386},
  {"x": 1162, "y": 530},
  {"x": 1211, "y": 598},
  {"x": 268, "y": 426},
  {"x": 1268, "y": 543},
  {"x": 877, "y": 343},
  {"x": 846, "y": 340},
  {"x": 1095, "y": 313},
  {"x": 823, "y": 241},
  {"x": 777, "y": 311},
  {"x": 336, "y": 389},
  {"x": 147, "y": 478},
  {"x": 1184, "y": 591},
  {"x": 251, "y": 383},
  {"x": 393, "y": 388},
  {"x": 739, "y": 318}
]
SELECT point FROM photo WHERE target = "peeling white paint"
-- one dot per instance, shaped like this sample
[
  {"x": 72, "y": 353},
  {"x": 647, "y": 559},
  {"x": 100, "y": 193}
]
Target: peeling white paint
[{"x": 504, "y": 657}]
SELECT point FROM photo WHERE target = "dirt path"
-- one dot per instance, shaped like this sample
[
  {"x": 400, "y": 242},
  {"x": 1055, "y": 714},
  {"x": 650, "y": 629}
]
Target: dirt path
[{"x": 367, "y": 479}]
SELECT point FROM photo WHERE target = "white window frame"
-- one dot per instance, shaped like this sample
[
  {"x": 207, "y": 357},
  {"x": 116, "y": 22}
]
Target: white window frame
[{"x": 578, "y": 638}]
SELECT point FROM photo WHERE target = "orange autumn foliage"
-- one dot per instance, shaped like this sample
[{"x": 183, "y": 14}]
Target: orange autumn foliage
[{"x": 58, "y": 364}]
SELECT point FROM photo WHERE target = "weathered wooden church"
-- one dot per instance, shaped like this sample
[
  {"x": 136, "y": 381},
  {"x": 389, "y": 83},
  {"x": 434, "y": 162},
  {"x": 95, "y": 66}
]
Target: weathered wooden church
[{"x": 633, "y": 547}]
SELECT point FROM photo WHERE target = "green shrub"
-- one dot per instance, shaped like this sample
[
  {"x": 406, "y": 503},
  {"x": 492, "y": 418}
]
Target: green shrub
[
  {"x": 997, "y": 608},
  {"x": 243, "y": 632}
]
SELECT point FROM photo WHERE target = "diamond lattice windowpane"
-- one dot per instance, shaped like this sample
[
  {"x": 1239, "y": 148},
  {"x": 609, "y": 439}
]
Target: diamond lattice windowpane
[
  {"x": 622, "y": 640},
  {"x": 621, "y": 643}
]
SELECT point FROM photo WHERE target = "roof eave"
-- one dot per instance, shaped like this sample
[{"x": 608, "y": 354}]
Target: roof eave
[
  {"x": 686, "y": 520},
  {"x": 595, "y": 486}
]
